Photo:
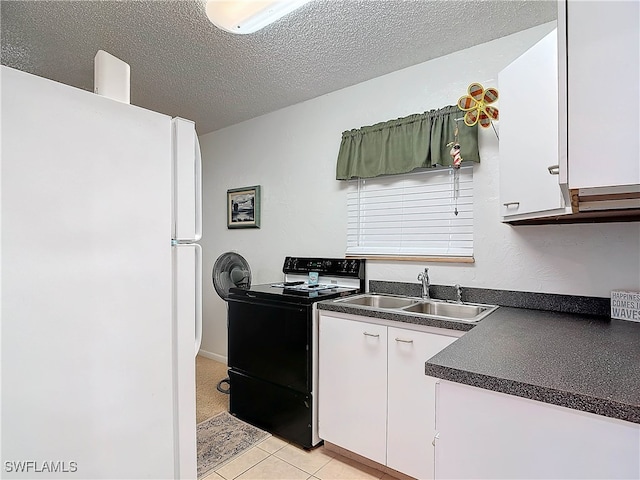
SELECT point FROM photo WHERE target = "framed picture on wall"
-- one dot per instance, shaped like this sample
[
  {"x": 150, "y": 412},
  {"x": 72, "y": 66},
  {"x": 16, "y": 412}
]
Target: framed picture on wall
[{"x": 243, "y": 207}]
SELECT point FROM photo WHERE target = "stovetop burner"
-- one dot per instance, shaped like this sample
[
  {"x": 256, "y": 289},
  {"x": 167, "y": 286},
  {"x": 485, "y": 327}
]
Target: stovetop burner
[{"x": 304, "y": 287}]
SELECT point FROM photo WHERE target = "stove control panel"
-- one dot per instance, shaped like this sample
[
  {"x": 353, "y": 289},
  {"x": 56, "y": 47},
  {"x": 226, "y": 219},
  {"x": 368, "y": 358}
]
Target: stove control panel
[{"x": 339, "y": 267}]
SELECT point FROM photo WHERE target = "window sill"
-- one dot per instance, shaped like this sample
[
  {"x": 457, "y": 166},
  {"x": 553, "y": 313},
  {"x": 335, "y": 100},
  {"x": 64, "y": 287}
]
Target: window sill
[{"x": 404, "y": 258}]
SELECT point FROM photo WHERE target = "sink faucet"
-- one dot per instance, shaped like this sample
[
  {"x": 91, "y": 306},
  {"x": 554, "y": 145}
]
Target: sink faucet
[
  {"x": 424, "y": 278},
  {"x": 458, "y": 293}
]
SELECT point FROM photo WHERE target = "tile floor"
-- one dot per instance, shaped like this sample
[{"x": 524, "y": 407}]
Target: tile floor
[{"x": 275, "y": 459}]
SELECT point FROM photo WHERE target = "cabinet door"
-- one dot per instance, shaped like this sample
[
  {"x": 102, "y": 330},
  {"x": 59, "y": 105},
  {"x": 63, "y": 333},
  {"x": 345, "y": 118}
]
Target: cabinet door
[
  {"x": 603, "y": 47},
  {"x": 411, "y": 398},
  {"x": 529, "y": 132},
  {"x": 352, "y": 394},
  {"x": 485, "y": 434}
]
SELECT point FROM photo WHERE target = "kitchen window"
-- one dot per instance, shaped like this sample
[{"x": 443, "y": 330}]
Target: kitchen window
[{"x": 412, "y": 215}]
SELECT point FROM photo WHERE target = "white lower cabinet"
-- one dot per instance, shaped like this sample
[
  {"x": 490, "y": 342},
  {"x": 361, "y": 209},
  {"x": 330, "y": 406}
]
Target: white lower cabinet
[
  {"x": 491, "y": 435},
  {"x": 411, "y": 400},
  {"x": 374, "y": 398},
  {"x": 352, "y": 391}
]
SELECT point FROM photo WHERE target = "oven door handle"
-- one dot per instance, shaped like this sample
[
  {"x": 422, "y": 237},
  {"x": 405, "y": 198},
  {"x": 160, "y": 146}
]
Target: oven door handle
[{"x": 258, "y": 300}]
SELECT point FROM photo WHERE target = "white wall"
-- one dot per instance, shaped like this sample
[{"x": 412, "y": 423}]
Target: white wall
[{"x": 292, "y": 154}]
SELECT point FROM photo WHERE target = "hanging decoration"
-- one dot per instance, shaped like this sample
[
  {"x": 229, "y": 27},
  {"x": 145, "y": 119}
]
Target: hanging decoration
[
  {"x": 476, "y": 105},
  {"x": 455, "y": 154},
  {"x": 457, "y": 161}
]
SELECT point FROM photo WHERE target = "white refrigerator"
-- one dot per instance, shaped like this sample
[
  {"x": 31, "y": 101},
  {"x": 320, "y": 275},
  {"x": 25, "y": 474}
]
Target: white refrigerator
[{"x": 101, "y": 285}]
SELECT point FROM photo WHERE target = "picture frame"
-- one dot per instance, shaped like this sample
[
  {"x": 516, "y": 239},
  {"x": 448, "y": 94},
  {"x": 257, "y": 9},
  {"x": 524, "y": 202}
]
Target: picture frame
[{"x": 243, "y": 207}]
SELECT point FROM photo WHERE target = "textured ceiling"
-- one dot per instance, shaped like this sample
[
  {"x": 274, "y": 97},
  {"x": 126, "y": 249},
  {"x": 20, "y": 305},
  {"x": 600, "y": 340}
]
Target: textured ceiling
[{"x": 182, "y": 65}]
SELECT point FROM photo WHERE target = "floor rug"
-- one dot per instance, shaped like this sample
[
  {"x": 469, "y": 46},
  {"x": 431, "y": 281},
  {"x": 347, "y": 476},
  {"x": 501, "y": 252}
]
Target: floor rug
[{"x": 221, "y": 438}]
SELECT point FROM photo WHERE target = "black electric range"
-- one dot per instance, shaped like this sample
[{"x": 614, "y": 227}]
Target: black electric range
[{"x": 273, "y": 345}]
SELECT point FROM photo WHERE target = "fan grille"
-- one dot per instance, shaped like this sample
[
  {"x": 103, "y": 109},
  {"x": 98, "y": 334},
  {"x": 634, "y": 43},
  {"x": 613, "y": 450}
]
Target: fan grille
[{"x": 230, "y": 270}]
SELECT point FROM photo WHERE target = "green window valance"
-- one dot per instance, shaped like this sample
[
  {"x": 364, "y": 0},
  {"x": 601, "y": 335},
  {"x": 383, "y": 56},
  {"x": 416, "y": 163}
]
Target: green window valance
[{"x": 404, "y": 144}]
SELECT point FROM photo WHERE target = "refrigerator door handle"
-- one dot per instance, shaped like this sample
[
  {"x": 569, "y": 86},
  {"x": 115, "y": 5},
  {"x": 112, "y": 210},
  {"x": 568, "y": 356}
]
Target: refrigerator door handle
[
  {"x": 187, "y": 182},
  {"x": 198, "y": 280},
  {"x": 198, "y": 188},
  {"x": 188, "y": 292},
  {"x": 187, "y": 331}
]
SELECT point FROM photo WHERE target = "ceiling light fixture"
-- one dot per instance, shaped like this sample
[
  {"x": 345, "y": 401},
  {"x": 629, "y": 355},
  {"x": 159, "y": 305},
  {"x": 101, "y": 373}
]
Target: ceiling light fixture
[{"x": 248, "y": 16}]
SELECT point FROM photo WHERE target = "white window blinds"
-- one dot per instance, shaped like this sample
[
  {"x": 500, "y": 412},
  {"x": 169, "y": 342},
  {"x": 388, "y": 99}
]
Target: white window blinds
[{"x": 412, "y": 214}]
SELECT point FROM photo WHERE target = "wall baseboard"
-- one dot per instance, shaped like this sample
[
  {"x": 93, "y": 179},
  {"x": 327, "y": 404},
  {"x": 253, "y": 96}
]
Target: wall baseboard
[
  {"x": 365, "y": 461},
  {"x": 213, "y": 356}
]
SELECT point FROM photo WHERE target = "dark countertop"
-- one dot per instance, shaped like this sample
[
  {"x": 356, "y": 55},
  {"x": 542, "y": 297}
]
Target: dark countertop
[{"x": 579, "y": 361}]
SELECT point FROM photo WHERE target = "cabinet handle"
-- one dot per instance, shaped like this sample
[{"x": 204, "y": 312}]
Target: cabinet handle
[
  {"x": 435, "y": 437},
  {"x": 435, "y": 404},
  {"x": 372, "y": 334},
  {"x": 509, "y": 204},
  {"x": 403, "y": 341},
  {"x": 554, "y": 169}
]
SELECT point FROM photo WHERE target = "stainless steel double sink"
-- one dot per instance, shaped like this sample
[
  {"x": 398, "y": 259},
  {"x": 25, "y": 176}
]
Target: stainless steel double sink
[{"x": 439, "y": 309}]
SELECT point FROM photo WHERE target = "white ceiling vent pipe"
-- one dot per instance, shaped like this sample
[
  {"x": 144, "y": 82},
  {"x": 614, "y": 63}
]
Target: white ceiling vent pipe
[
  {"x": 248, "y": 16},
  {"x": 111, "y": 77}
]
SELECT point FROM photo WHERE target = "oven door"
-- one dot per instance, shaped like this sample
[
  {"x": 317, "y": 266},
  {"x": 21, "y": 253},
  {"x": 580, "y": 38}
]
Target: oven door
[{"x": 271, "y": 341}]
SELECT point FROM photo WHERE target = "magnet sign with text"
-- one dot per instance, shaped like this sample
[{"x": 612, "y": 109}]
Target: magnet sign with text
[{"x": 625, "y": 305}]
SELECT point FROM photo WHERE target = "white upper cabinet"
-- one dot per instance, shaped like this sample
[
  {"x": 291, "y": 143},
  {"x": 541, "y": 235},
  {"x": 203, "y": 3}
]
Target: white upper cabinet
[
  {"x": 529, "y": 164},
  {"x": 603, "y": 64},
  {"x": 585, "y": 107}
]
